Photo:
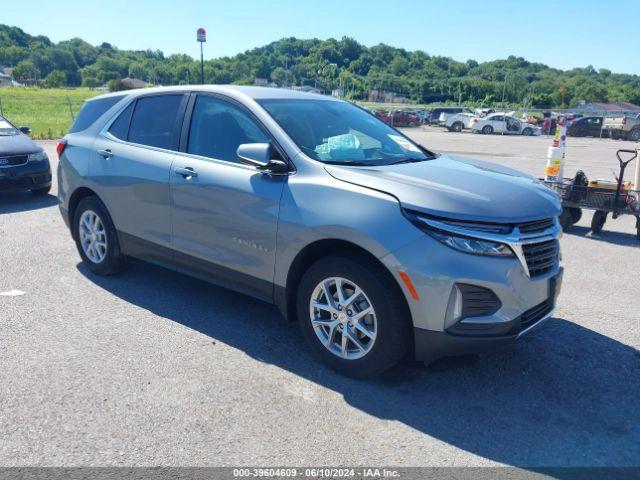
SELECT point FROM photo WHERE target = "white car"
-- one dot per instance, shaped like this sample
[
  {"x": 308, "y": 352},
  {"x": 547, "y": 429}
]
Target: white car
[
  {"x": 504, "y": 124},
  {"x": 456, "y": 122},
  {"x": 445, "y": 115}
]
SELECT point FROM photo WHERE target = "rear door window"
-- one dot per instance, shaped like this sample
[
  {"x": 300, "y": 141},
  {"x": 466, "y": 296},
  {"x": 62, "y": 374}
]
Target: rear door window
[
  {"x": 154, "y": 121},
  {"x": 91, "y": 111}
]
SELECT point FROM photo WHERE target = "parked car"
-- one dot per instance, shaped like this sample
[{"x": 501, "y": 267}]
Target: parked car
[
  {"x": 23, "y": 164},
  {"x": 406, "y": 118},
  {"x": 586, "y": 127},
  {"x": 626, "y": 127},
  {"x": 434, "y": 117},
  {"x": 399, "y": 118},
  {"x": 384, "y": 116},
  {"x": 423, "y": 116},
  {"x": 505, "y": 124},
  {"x": 376, "y": 245},
  {"x": 456, "y": 122},
  {"x": 445, "y": 115}
]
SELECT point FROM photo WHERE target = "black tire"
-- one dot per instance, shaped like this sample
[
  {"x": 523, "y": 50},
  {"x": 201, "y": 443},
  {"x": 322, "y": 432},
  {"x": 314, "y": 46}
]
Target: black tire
[
  {"x": 114, "y": 261},
  {"x": 393, "y": 318},
  {"x": 598, "y": 221},
  {"x": 527, "y": 132},
  {"x": 634, "y": 135},
  {"x": 565, "y": 219},
  {"x": 457, "y": 127},
  {"x": 487, "y": 130},
  {"x": 576, "y": 215},
  {"x": 41, "y": 191}
]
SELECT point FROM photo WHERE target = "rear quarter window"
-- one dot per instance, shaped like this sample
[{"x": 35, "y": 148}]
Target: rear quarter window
[{"x": 91, "y": 111}]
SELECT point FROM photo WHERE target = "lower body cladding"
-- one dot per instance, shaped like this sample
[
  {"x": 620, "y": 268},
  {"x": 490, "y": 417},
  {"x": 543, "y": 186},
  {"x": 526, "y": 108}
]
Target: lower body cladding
[
  {"x": 30, "y": 176},
  {"x": 463, "y": 303}
]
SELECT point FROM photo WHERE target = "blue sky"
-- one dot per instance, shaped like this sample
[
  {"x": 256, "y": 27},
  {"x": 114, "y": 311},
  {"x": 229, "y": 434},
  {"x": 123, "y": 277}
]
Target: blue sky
[{"x": 563, "y": 34}]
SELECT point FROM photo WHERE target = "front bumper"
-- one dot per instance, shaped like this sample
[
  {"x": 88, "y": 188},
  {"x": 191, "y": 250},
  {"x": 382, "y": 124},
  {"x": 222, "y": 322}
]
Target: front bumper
[
  {"x": 431, "y": 345},
  {"x": 30, "y": 176},
  {"x": 435, "y": 270}
]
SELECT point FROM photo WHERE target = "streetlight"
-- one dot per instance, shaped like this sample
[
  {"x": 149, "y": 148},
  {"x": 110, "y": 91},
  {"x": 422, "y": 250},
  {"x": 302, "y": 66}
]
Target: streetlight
[{"x": 202, "y": 37}]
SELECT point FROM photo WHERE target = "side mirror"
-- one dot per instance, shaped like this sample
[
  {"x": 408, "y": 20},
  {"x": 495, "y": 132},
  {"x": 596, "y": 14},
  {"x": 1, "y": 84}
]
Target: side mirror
[
  {"x": 259, "y": 156},
  {"x": 25, "y": 130}
]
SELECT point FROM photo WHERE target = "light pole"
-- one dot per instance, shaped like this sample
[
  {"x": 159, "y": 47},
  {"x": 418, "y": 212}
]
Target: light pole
[{"x": 202, "y": 37}]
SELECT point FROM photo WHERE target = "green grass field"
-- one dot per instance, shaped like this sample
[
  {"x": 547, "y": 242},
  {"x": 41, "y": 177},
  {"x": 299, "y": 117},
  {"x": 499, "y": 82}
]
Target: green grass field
[{"x": 47, "y": 111}]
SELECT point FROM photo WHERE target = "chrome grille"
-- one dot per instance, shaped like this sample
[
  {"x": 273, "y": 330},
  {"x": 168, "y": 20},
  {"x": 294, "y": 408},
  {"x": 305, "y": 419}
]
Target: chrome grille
[{"x": 541, "y": 257}]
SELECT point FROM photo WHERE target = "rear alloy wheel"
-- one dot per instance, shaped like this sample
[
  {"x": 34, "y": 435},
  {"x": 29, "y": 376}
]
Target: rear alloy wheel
[
  {"x": 487, "y": 129},
  {"x": 634, "y": 134},
  {"x": 96, "y": 238},
  {"x": 527, "y": 132},
  {"x": 354, "y": 320},
  {"x": 457, "y": 127}
]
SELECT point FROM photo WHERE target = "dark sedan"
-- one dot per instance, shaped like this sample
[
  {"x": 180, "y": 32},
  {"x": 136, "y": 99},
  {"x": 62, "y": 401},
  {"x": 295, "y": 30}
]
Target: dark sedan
[
  {"x": 23, "y": 164},
  {"x": 586, "y": 127}
]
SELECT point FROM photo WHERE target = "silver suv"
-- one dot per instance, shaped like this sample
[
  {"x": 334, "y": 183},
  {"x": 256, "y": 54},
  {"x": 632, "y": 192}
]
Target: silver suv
[{"x": 377, "y": 246}]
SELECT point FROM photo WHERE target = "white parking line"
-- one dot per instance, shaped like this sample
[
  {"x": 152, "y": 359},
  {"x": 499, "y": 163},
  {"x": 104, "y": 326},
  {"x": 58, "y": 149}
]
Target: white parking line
[{"x": 12, "y": 293}]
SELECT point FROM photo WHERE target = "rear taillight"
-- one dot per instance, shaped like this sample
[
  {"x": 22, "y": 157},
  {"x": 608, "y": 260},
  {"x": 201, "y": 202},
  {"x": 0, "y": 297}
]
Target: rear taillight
[
  {"x": 474, "y": 120},
  {"x": 62, "y": 144},
  {"x": 624, "y": 121},
  {"x": 573, "y": 124}
]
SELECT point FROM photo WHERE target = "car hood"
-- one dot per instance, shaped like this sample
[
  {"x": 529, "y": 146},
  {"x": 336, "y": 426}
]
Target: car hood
[
  {"x": 458, "y": 188},
  {"x": 17, "y": 145}
]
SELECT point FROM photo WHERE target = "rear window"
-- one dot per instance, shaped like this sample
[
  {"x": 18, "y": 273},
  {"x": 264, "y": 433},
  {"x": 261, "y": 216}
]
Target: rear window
[
  {"x": 154, "y": 120},
  {"x": 91, "y": 111}
]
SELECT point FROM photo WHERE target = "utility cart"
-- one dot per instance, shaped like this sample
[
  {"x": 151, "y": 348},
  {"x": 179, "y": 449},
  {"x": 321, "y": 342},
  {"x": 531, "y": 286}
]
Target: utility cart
[{"x": 615, "y": 198}]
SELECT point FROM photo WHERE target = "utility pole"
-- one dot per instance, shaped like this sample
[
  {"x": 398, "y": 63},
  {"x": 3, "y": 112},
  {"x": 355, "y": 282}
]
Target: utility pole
[
  {"x": 504, "y": 88},
  {"x": 202, "y": 37}
]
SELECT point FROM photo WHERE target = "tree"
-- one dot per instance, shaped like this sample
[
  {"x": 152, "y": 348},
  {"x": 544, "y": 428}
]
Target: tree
[
  {"x": 55, "y": 79},
  {"x": 26, "y": 70}
]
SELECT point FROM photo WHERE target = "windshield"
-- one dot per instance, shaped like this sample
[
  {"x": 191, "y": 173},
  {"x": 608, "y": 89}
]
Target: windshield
[
  {"x": 340, "y": 133},
  {"x": 6, "y": 128}
]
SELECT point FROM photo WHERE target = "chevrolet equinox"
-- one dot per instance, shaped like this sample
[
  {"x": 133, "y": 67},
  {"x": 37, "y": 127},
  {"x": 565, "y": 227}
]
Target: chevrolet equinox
[{"x": 378, "y": 247}]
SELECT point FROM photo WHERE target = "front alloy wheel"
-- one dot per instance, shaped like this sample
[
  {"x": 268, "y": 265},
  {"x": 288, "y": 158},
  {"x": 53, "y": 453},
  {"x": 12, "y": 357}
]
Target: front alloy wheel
[
  {"x": 353, "y": 315},
  {"x": 343, "y": 318}
]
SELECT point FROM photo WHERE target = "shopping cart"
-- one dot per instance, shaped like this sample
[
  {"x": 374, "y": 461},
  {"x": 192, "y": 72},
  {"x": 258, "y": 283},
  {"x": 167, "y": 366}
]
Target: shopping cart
[{"x": 618, "y": 199}]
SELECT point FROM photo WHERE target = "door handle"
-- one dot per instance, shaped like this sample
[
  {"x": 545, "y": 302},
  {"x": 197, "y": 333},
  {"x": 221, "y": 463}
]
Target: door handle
[
  {"x": 106, "y": 154},
  {"x": 186, "y": 172}
]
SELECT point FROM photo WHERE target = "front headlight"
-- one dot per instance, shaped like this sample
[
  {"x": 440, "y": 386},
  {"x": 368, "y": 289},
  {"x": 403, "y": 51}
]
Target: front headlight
[
  {"x": 38, "y": 157},
  {"x": 471, "y": 245},
  {"x": 464, "y": 243}
]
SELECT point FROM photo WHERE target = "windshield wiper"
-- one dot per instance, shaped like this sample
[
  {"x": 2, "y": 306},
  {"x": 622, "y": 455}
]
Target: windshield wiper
[
  {"x": 410, "y": 160},
  {"x": 349, "y": 163}
]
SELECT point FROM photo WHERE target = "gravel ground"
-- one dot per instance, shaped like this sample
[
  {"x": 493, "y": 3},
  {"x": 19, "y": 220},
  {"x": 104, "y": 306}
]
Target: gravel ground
[{"x": 155, "y": 368}]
